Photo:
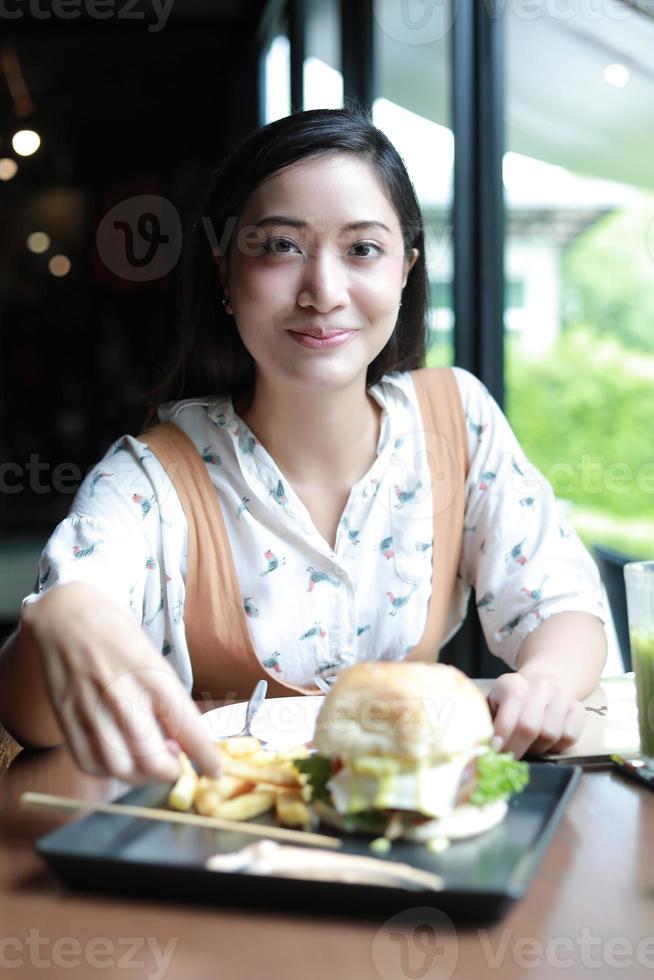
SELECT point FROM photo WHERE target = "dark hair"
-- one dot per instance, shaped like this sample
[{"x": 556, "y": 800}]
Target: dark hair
[{"x": 211, "y": 358}]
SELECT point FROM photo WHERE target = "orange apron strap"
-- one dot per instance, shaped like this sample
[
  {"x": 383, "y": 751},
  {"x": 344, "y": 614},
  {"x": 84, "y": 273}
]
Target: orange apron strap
[
  {"x": 446, "y": 443},
  {"x": 223, "y": 658}
]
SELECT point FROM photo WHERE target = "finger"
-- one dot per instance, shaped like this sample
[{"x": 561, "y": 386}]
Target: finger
[
  {"x": 132, "y": 702},
  {"x": 182, "y": 721},
  {"x": 528, "y": 723},
  {"x": 573, "y": 727},
  {"x": 508, "y": 708},
  {"x": 553, "y": 723},
  {"x": 81, "y": 737}
]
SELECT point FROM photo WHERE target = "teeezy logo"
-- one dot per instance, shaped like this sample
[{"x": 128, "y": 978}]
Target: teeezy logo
[
  {"x": 140, "y": 239},
  {"x": 95, "y": 9}
]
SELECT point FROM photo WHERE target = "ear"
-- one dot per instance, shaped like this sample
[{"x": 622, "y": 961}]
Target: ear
[{"x": 409, "y": 264}]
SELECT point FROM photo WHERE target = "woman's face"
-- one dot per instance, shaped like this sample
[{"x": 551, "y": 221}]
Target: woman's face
[{"x": 314, "y": 298}]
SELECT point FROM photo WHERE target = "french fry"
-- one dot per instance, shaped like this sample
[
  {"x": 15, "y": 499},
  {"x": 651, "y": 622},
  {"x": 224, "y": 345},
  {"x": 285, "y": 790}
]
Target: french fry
[
  {"x": 291, "y": 811},
  {"x": 245, "y": 807},
  {"x": 283, "y": 774},
  {"x": 182, "y": 794},
  {"x": 210, "y": 793},
  {"x": 241, "y": 745},
  {"x": 254, "y": 781}
]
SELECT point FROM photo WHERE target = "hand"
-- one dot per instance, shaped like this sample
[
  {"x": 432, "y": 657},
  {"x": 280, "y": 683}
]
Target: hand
[
  {"x": 536, "y": 713},
  {"x": 116, "y": 699}
]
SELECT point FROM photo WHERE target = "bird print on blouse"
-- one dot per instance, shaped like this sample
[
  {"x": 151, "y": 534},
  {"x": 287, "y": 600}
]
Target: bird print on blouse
[
  {"x": 505, "y": 631},
  {"x": 278, "y": 493},
  {"x": 145, "y": 503},
  {"x": 242, "y": 506},
  {"x": 515, "y": 554},
  {"x": 487, "y": 601},
  {"x": 150, "y": 564},
  {"x": 406, "y": 496},
  {"x": 84, "y": 552},
  {"x": 315, "y": 630},
  {"x": 95, "y": 479},
  {"x": 535, "y": 594},
  {"x": 209, "y": 456},
  {"x": 398, "y": 602},
  {"x": 316, "y": 576},
  {"x": 486, "y": 479},
  {"x": 273, "y": 562},
  {"x": 250, "y": 608},
  {"x": 477, "y": 428},
  {"x": 352, "y": 534},
  {"x": 386, "y": 547},
  {"x": 272, "y": 663},
  {"x": 246, "y": 441}
]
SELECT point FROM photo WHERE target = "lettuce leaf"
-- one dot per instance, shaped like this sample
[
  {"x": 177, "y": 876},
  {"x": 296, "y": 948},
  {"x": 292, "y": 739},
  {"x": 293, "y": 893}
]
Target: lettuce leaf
[
  {"x": 499, "y": 775},
  {"x": 319, "y": 769}
]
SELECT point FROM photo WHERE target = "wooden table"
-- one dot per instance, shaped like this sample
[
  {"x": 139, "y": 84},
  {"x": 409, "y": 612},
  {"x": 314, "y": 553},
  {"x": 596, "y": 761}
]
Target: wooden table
[{"x": 589, "y": 910}]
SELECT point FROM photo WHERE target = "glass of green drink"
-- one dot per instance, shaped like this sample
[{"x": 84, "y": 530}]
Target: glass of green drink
[{"x": 639, "y": 580}]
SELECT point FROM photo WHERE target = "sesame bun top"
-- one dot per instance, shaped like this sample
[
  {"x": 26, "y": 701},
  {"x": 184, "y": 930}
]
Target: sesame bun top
[{"x": 414, "y": 711}]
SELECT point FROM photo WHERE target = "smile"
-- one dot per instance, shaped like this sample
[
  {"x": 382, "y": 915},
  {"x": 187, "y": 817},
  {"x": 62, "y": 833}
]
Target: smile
[{"x": 318, "y": 343}]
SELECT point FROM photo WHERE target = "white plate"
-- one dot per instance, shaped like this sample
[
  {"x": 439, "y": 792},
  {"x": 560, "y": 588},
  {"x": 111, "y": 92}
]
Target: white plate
[{"x": 284, "y": 722}]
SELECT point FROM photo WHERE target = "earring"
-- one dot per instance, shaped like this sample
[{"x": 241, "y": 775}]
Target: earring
[{"x": 226, "y": 305}]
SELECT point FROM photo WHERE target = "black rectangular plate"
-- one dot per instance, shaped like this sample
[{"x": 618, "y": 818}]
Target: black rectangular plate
[{"x": 482, "y": 876}]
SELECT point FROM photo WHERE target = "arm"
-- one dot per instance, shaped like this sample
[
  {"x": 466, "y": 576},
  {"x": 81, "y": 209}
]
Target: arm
[
  {"x": 537, "y": 588},
  {"x": 25, "y": 708},
  {"x": 560, "y": 662}
]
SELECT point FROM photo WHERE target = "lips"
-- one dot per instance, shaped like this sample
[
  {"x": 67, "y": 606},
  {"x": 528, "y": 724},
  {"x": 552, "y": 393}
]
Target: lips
[{"x": 322, "y": 334}]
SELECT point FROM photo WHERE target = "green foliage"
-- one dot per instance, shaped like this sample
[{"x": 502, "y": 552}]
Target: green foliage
[
  {"x": 584, "y": 415},
  {"x": 607, "y": 277}
]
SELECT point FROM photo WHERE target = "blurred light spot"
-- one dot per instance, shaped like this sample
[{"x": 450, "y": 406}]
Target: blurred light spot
[
  {"x": 8, "y": 168},
  {"x": 59, "y": 265},
  {"x": 616, "y": 75},
  {"x": 38, "y": 242}
]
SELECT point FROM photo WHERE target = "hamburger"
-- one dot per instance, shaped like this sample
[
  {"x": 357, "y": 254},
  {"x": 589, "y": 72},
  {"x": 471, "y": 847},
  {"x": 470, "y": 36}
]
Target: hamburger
[{"x": 403, "y": 750}]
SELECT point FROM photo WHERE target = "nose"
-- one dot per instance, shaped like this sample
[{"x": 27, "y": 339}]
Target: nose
[{"x": 324, "y": 282}]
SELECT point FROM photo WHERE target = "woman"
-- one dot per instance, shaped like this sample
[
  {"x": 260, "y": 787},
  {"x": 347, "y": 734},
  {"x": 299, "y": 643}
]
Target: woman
[{"x": 303, "y": 540}]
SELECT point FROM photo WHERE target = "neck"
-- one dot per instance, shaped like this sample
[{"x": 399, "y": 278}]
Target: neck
[{"x": 317, "y": 438}]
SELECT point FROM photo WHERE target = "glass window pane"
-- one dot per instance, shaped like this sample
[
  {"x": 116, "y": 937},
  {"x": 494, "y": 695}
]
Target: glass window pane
[
  {"x": 277, "y": 79},
  {"x": 322, "y": 72},
  {"x": 413, "y": 109},
  {"x": 579, "y": 186}
]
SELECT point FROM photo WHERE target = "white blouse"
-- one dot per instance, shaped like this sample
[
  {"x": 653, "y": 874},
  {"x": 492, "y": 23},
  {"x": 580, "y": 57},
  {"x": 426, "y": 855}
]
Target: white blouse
[{"x": 310, "y": 608}]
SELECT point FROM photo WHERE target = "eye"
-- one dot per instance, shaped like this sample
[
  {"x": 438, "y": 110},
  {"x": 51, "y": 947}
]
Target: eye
[
  {"x": 368, "y": 245},
  {"x": 273, "y": 246}
]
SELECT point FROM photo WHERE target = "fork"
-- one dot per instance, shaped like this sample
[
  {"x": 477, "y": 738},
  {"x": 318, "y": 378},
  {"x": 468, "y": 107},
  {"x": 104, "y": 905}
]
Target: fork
[
  {"x": 256, "y": 700},
  {"x": 325, "y": 681}
]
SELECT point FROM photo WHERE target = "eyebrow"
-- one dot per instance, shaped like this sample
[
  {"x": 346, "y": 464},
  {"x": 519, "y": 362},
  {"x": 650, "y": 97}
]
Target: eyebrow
[{"x": 283, "y": 219}]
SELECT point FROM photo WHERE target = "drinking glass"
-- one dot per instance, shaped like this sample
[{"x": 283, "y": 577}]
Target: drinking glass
[{"x": 639, "y": 581}]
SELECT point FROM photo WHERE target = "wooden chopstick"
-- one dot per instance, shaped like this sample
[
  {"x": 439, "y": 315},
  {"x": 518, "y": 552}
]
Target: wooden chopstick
[{"x": 175, "y": 816}]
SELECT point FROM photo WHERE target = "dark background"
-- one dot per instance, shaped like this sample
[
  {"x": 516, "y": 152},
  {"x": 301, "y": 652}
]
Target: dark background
[{"x": 122, "y": 111}]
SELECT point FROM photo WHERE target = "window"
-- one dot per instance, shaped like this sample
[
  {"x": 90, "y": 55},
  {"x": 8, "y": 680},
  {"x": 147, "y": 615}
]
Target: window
[
  {"x": 413, "y": 108},
  {"x": 579, "y": 189}
]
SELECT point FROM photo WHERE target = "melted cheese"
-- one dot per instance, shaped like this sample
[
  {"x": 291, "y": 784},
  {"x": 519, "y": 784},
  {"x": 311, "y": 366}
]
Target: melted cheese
[{"x": 375, "y": 783}]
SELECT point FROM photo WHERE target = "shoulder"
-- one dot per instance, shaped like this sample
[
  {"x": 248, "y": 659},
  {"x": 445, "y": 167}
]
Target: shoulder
[{"x": 201, "y": 419}]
